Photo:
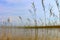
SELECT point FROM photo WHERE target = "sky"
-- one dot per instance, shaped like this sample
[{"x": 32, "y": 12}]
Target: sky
[{"x": 15, "y": 8}]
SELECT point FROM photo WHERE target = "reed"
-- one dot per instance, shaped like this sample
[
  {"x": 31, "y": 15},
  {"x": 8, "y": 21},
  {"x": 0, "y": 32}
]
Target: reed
[
  {"x": 29, "y": 21},
  {"x": 52, "y": 14},
  {"x": 20, "y": 19},
  {"x": 34, "y": 12},
  {"x": 58, "y": 6},
  {"x": 41, "y": 21},
  {"x": 44, "y": 10}
]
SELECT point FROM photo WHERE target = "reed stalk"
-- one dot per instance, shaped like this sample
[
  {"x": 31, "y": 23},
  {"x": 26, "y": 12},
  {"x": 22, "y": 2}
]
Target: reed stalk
[
  {"x": 57, "y": 3},
  {"x": 44, "y": 10}
]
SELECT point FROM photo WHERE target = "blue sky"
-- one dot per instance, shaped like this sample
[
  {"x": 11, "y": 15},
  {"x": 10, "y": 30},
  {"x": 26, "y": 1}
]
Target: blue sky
[{"x": 15, "y": 8}]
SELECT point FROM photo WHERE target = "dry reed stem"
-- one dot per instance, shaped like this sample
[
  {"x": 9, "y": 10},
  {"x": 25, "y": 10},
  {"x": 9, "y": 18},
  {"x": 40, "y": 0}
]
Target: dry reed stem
[{"x": 10, "y": 37}]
